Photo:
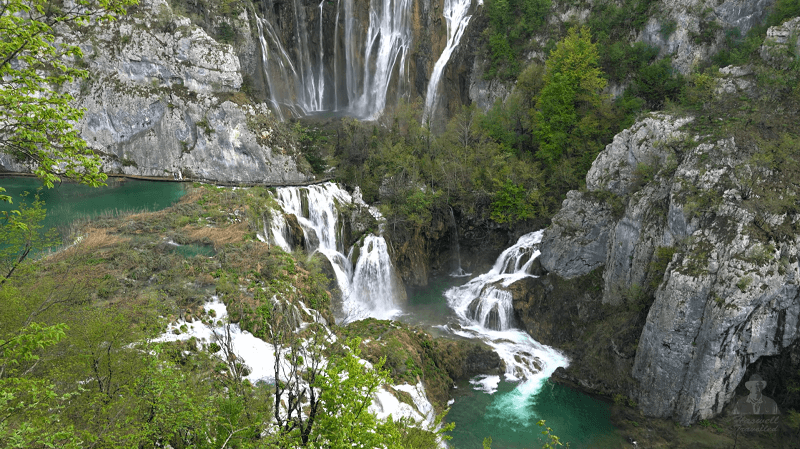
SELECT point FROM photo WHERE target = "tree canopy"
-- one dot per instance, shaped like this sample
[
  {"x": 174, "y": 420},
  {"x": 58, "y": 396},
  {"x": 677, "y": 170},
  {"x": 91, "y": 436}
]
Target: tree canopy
[{"x": 571, "y": 96}]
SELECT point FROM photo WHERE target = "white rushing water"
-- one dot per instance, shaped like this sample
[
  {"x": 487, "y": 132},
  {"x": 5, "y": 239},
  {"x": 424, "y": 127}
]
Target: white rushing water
[
  {"x": 279, "y": 72},
  {"x": 368, "y": 284},
  {"x": 259, "y": 358},
  {"x": 374, "y": 60},
  {"x": 457, "y": 19},
  {"x": 384, "y": 50},
  {"x": 485, "y": 311}
]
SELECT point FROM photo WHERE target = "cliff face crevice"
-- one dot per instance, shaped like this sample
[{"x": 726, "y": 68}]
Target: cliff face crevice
[{"x": 673, "y": 220}]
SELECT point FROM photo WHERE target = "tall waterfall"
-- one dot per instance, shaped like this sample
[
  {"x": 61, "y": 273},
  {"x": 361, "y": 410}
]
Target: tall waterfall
[
  {"x": 457, "y": 19},
  {"x": 385, "y": 49},
  {"x": 369, "y": 62},
  {"x": 485, "y": 310},
  {"x": 368, "y": 284}
]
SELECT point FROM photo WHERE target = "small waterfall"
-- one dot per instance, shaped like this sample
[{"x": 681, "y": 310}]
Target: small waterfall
[
  {"x": 485, "y": 310},
  {"x": 455, "y": 15},
  {"x": 457, "y": 270},
  {"x": 483, "y": 299},
  {"x": 373, "y": 286},
  {"x": 367, "y": 284}
]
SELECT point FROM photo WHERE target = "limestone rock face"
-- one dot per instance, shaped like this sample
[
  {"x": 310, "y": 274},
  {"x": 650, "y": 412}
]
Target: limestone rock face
[
  {"x": 157, "y": 104},
  {"x": 577, "y": 240},
  {"x": 698, "y": 29},
  {"x": 782, "y": 43},
  {"x": 729, "y": 294},
  {"x": 615, "y": 169}
]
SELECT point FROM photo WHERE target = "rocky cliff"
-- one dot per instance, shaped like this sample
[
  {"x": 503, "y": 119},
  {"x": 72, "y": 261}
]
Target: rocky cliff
[
  {"x": 163, "y": 99},
  {"x": 692, "y": 221}
]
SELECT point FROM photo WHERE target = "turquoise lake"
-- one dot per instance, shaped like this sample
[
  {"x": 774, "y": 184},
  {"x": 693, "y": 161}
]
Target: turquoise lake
[{"x": 67, "y": 202}]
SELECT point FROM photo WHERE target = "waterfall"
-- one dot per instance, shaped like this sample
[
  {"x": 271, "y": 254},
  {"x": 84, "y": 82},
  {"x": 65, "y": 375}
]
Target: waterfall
[
  {"x": 387, "y": 44},
  {"x": 368, "y": 284},
  {"x": 455, "y": 15},
  {"x": 457, "y": 270},
  {"x": 483, "y": 299},
  {"x": 484, "y": 307},
  {"x": 375, "y": 56},
  {"x": 373, "y": 285},
  {"x": 279, "y": 71}
]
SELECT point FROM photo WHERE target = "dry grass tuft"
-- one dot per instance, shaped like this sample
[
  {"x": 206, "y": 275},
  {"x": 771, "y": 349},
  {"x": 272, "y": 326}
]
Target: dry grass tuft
[
  {"x": 93, "y": 240},
  {"x": 220, "y": 236}
]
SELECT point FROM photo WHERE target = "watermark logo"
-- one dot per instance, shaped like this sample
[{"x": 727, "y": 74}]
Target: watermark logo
[{"x": 756, "y": 412}]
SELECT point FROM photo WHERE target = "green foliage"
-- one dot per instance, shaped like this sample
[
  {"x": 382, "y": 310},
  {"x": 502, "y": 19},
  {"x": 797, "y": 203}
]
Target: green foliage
[
  {"x": 21, "y": 234},
  {"x": 311, "y": 142},
  {"x": 226, "y": 33},
  {"x": 513, "y": 203},
  {"x": 551, "y": 441},
  {"x": 614, "y": 21},
  {"x": 36, "y": 112},
  {"x": 347, "y": 387},
  {"x": 29, "y": 407},
  {"x": 707, "y": 31},
  {"x": 744, "y": 282},
  {"x": 570, "y": 102},
  {"x": 662, "y": 256},
  {"x": 621, "y": 60},
  {"x": 657, "y": 83},
  {"x": 783, "y": 10},
  {"x": 511, "y": 24}
]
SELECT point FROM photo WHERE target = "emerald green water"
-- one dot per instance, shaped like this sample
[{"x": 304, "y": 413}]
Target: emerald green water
[
  {"x": 192, "y": 250},
  {"x": 68, "y": 201},
  {"x": 510, "y": 417}
]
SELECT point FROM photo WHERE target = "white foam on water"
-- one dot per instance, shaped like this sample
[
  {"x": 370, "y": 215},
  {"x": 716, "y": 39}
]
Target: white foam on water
[
  {"x": 485, "y": 383},
  {"x": 257, "y": 354},
  {"x": 527, "y": 361}
]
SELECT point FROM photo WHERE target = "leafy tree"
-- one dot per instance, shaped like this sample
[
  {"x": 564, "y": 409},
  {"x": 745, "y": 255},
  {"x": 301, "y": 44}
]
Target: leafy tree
[
  {"x": 21, "y": 233},
  {"x": 36, "y": 113},
  {"x": 571, "y": 97},
  {"x": 29, "y": 406},
  {"x": 347, "y": 389},
  {"x": 514, "y": 203}
]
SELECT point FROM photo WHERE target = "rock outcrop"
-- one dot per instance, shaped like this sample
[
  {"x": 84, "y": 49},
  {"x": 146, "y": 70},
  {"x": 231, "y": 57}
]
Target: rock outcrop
[
  {"x": 729, "y": 294},
  {"x": 163, "y": 100},
  {"x": 782, "y": 44},
  {"x": 690, "y": 31}
]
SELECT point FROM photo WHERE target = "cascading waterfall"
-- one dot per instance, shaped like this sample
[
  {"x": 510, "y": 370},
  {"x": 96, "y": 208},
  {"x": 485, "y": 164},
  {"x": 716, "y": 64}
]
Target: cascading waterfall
[
  {"x": 483, "y": 299},
  {"x": 373, "y": 286},
  {"x": 457, "y": 19},
  {"x": 279, "y": 72},
  {"x": 367, "y": 284},
  {"x": 485, "y": 310},
  {"x": 386, "y": 47},
  {"x": 374, "y": 63}
]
